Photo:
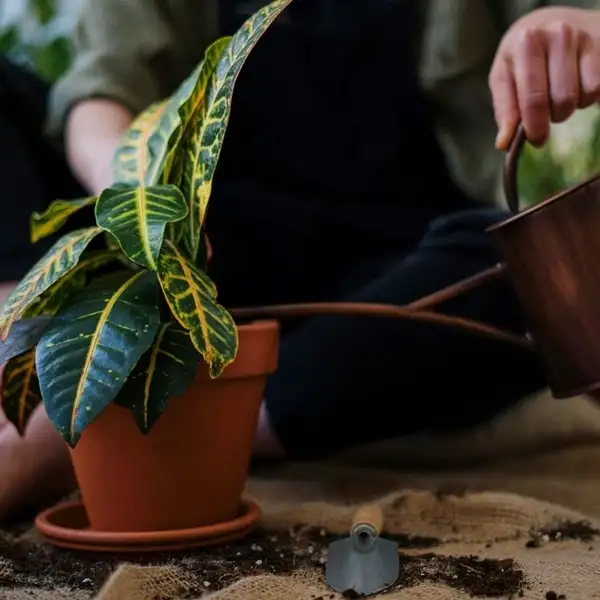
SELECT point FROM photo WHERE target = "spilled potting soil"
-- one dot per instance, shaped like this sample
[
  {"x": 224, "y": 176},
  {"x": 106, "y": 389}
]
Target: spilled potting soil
[
  {"x": 568, "y": 530},
  {"x": 45, "y": 567}
]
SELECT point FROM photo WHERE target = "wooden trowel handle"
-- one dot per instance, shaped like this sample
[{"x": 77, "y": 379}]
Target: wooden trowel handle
[{"x": 369, "y": 514}]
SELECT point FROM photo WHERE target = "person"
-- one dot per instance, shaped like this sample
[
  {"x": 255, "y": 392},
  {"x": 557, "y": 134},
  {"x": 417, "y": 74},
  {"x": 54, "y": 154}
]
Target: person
[{"x": 360, "y": 164}]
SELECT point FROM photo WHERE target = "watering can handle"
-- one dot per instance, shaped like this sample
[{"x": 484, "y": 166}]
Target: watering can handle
[{"x": 511, "y": 168}]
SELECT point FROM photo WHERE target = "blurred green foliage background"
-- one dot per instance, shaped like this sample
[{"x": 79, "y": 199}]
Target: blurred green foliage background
[{"x": 36, "y": 32}]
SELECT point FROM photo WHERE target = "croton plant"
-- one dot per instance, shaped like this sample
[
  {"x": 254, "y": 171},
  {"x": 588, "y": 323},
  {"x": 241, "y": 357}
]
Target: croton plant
[{"x": 78, "y": 335}]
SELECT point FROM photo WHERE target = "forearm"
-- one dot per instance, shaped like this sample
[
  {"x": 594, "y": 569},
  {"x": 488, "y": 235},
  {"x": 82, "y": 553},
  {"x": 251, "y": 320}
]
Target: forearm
[{"x": 94, "y": 129}]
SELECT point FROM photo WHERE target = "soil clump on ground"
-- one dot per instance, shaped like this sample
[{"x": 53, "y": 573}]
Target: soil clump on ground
[{"x": 43, "y": 566}]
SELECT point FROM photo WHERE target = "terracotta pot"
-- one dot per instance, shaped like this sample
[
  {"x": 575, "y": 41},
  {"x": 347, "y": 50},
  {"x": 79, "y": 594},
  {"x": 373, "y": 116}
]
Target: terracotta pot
[{"x": 190, "y": 470}]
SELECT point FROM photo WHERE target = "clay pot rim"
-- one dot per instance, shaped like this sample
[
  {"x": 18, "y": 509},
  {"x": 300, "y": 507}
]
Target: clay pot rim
[{"x": 85, "y": 538}]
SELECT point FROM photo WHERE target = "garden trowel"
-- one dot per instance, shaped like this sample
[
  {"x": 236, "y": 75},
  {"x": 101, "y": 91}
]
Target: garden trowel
[{"x": 363, "y": 563}]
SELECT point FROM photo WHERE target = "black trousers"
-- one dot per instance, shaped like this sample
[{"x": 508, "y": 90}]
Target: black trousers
[{"x": 341, "y": 380}]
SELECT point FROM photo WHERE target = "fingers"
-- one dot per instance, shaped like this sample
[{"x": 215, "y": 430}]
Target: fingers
[
  {"x": 589, "y": 73},
  {"x": 542, "y": 75},
  {"x": 531, "y": 82},
  {"x": 520, "y": 89},
  {"x": 506, "y": 106},
  {"x": 563, "y": 71}
]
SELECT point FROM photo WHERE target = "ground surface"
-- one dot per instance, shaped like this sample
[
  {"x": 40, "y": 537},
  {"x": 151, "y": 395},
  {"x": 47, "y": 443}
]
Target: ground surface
[{"x": 27, "y": 564}]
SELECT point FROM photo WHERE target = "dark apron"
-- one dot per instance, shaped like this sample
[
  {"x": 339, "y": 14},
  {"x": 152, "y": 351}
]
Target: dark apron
[{"x": 329, "y": 127}]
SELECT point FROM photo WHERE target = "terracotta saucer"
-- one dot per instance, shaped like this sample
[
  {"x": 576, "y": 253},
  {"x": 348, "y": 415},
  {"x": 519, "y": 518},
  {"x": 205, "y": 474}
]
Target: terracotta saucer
[{"x": 66, "y": 525}]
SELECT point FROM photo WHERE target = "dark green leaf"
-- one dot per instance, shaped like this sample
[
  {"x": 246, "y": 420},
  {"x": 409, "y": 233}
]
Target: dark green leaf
[
  {"x": 55, "y": 216},
  {"x": 20, "y": 389},
  {"x": 91, "y": 347},
  {"x": 61, "y": 258},
  {"x": 202, "y": 144},
  {"x": 73, "y": 281},
  {"x": 192, "y": 298},
  {"x": 137, "y": 218},
  {"x": 24, "y": 334},
  {"x": 165, "y": 371}
]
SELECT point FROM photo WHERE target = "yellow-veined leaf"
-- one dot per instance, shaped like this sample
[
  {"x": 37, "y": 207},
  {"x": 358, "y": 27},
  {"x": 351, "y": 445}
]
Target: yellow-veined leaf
[
  {"x": 133, "y": 163},
  {"x": 187, "y": 102},
  {"x": 113, "y": 244},
  {"x": 58, "y": 260},
  {"x": 24, "y": 334},
  {"x": 202, "y": 144},
  {"x": 20, "y": 390},
  {"x": 55, "y": 216},
  {"x": 137, "y": 218},
  {"x": 174, "y": 232},
  {"x": 91, "y": 347},
  {"x": 173, "y": 166},
  {"x": 168, "y": 129},
  {"x": 192, "y": 298},
  {"x": 148, "y": 147},
  {"x": 162, "y": 127},
  {"x": 165, "y": 371},
  {"x": 52, "y": 299}
]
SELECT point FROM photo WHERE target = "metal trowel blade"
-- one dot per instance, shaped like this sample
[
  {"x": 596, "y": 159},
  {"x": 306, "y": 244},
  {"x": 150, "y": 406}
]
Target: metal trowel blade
[{"x": 364, "y": 571}]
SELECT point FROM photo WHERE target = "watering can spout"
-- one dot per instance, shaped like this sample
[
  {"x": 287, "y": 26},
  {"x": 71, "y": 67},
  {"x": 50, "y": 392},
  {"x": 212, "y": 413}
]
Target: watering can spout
[{"x": 549, "y": 256}]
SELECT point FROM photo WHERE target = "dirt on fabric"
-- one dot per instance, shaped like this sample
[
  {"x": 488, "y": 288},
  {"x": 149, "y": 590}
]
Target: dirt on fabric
[
  {"x": 45, "y": 567},
  {"x": 581, "y": 531}
]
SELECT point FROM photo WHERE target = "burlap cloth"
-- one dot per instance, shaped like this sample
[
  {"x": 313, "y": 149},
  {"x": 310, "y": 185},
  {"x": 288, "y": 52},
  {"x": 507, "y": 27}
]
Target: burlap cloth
[{"x": 532, "y": 468}]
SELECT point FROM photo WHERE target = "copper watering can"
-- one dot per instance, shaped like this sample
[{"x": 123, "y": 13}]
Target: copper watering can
[{"x": 551, "y": 255}]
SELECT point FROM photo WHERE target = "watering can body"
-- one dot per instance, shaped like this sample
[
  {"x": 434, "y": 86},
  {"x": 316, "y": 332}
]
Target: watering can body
[{"x": 551, "y": 256}]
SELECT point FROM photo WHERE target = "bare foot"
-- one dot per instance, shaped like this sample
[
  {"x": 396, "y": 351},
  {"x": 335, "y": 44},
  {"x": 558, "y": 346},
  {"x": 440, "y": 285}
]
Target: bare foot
[
  {"x": 266, "y": 444},
  {"x": 35, "y": 470}
]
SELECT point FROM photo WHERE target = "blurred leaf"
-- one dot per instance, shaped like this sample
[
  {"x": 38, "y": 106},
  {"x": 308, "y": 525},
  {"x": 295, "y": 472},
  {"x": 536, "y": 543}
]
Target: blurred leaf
[
  {"x": 53, "y": 60},
  {"x": 540, "y": 175},
  {"x": 44, "y": 10},
  {"x": 593, "y": 157},
  {"x": 46, "y": 48},
  {"x": 9, "y": 40}
]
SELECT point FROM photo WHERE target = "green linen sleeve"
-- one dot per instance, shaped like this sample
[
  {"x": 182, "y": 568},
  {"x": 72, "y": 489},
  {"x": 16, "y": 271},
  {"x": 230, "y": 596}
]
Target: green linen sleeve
[{"x": 132, "y": 51}]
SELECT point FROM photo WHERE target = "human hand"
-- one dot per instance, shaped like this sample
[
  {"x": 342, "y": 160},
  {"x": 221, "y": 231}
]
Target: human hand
[{"x": 547, "y": 66}]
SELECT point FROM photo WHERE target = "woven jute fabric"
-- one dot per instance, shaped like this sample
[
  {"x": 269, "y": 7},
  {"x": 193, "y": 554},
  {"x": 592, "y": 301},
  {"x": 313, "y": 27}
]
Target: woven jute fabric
[{"x": 531, "y": 469}]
